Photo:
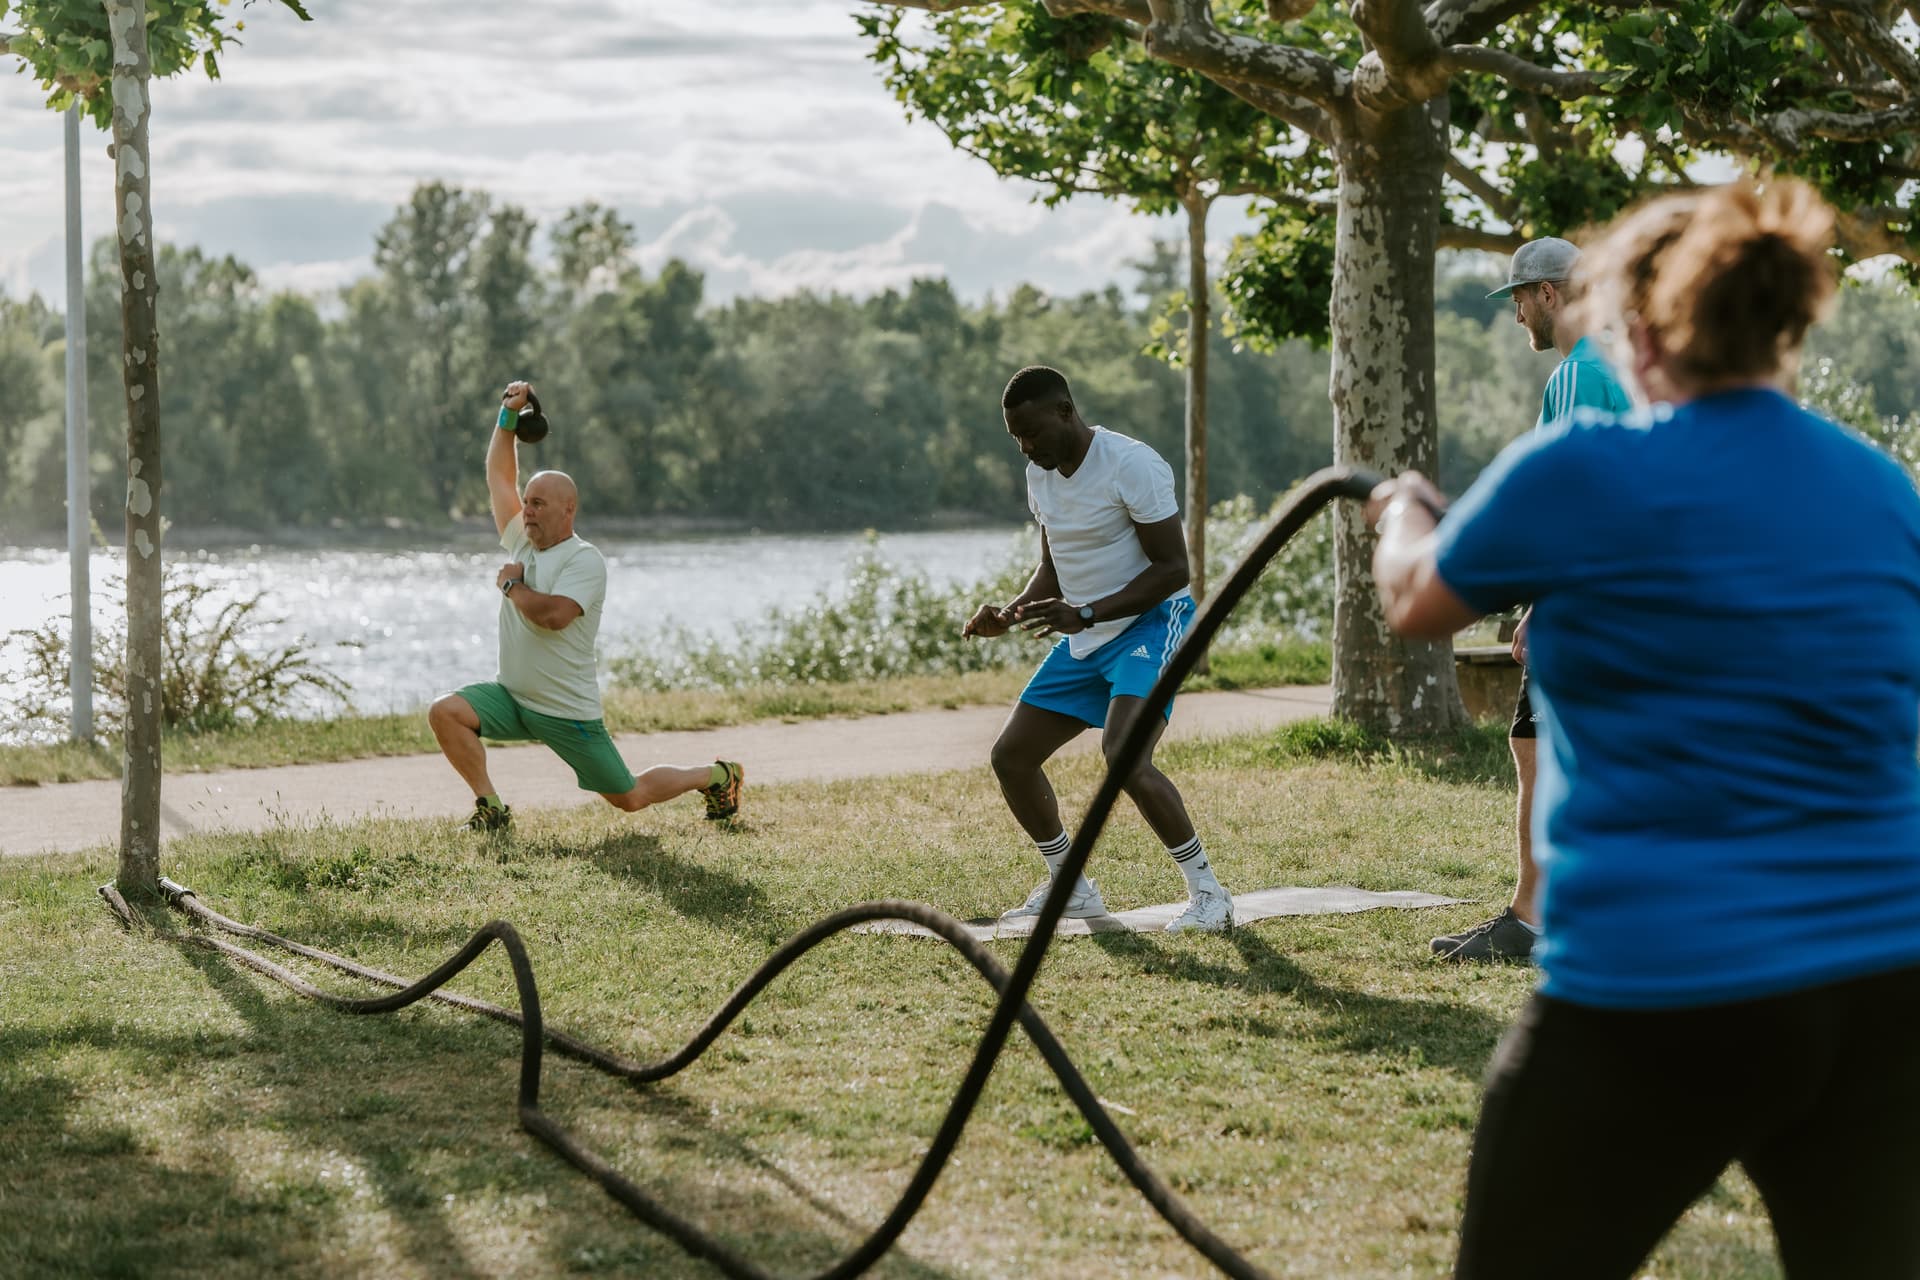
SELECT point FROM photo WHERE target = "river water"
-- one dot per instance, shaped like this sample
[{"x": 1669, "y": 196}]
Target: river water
[{"x": 425, "y": 620}]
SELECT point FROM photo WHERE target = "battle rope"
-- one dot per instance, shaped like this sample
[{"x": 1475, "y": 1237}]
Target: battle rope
[{"x": 1301, "y": 506}]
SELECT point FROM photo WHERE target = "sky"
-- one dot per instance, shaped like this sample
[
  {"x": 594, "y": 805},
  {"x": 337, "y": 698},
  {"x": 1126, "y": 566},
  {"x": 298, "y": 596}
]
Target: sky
[{"x": 748, "y": 137}]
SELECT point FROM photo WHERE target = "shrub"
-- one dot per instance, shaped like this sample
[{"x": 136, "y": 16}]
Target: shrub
[
  {"x": 1327, "y": 739},
  {"x": 884, "y": 622},
  {"x": 1826, "y": 390},
  {"x": 1476, "y": 754},
  {"x": 214, "y": 672},
  {"x": 1293, "y": 599}
]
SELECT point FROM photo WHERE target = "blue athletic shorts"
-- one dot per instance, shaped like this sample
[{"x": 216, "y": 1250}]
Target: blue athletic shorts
[{"x": 1124, "y": 667}]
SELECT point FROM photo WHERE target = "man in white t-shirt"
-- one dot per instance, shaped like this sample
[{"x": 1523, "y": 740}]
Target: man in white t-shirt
[
  {"x": 1112, "y": 583},
  {"x": 547, "y": 688}
]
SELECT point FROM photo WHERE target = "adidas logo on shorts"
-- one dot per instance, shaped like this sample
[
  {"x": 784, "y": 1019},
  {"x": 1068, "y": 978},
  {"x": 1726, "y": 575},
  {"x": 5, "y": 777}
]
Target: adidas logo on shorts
[{"x": 1141, "y": 652}]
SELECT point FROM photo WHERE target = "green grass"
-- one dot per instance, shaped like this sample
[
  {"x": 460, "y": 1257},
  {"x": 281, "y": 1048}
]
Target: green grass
[
  {"x": 1265, "y": 666},
  {"x": 1308, "y": 1084},
  {"x": 282, "y": 742}
]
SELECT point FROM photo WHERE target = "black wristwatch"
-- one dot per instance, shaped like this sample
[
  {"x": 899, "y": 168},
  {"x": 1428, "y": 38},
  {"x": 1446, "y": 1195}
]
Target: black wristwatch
[
  {"x": 506, "y": 588},
  {"x": 1086, "y": 614}
]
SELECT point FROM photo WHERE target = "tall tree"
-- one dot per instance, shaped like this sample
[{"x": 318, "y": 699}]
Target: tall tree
[
  {"x": 140, "y": 329},
  {"x": 1060, "y": 102},
  {"x": 23, "y": 372},
  {"x": 77, "y": 50},
  {"x": 1542, "y": 115},
  {"x": 425, "y": 255},
  {"x": 506, "y": 289},
  {"x": 631, "y": 370},
  {"x": 458, "y": 296},
  {"x": 592, "y": 248}
]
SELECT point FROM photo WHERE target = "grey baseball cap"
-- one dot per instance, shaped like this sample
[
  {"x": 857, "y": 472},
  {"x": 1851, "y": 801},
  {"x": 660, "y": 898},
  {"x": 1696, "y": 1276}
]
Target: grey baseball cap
[{"x": 1550, "y": 258}]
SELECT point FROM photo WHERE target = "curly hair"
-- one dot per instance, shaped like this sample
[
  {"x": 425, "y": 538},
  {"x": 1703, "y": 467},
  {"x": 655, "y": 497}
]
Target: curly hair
[{"x": 1728, "y": 278}]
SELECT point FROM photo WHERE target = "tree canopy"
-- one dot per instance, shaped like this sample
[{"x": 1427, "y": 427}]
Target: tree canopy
[
  {"x": 1557, "y": 114},
  {"x": 68, "y": 49},
  {"x": 1413, "y": 127}
]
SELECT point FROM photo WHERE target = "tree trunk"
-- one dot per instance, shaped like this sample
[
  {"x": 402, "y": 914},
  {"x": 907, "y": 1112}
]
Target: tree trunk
[
  {"x": 1199, "y": 326},
  {"x": 139, "y": 296},
  {"x": 448, "y": 453},
  {"x": 1383, "y": 409}
]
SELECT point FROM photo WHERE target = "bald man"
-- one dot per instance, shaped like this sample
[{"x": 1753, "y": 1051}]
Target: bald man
[{"x": 548, "y": 688}]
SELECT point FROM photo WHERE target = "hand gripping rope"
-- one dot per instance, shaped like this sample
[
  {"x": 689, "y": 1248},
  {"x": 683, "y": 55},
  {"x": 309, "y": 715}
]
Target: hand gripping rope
[{"x": 1301, "y": 506}]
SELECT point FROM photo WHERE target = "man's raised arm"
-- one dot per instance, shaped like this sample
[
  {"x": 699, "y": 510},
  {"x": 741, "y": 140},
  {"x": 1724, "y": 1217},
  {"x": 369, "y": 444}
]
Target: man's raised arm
[{"x": 503, "y": 459}]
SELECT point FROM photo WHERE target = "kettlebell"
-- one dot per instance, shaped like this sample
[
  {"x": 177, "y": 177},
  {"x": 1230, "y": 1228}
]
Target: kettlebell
[{"x": 532, "y": 426}]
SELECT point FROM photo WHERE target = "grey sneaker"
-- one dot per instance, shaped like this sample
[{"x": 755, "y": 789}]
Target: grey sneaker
[
  {"x": 1085, "y": 904},
  {"x": 1501, "y": 938}
]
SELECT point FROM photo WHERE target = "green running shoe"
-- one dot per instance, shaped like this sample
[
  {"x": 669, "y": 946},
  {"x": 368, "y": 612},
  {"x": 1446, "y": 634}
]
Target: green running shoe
[
  {"x": 486, "y": 817},
  {"x": 723, "y": 798}
]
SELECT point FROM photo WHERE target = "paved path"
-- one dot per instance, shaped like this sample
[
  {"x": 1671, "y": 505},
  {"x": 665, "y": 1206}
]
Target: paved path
[{"x": 80, "y": 815}]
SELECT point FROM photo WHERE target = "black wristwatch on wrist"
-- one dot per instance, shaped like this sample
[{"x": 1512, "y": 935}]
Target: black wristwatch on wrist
[
  {"x": 506, "y": 588},
  {"x": 1086, "y": 614}
]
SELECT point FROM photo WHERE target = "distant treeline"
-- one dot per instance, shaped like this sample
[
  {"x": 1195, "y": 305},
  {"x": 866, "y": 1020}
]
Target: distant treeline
[{"x": 807, "y": 411}]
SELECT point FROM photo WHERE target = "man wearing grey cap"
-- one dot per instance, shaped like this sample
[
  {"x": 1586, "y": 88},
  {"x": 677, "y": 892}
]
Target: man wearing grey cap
[{"x": 1537, "y": 281}]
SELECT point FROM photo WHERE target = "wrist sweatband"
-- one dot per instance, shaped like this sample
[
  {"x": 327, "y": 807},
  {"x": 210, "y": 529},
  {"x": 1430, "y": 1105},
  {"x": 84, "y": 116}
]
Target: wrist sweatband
[{"x": 507, "y": 419}]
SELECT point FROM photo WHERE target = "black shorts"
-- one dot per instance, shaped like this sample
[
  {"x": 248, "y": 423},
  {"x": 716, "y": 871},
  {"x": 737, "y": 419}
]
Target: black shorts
[
  {"x": 1525, "y": 721},
  {"x": 1601, "y": 1126}
]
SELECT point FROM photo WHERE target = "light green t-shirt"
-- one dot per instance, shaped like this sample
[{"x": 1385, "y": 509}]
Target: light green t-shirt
[{"x": 553, "y": 672}]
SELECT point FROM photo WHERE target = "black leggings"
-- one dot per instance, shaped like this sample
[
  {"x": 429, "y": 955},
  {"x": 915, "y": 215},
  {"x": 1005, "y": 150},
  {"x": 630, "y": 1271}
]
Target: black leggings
[{"x": 1600, "y": 1127}]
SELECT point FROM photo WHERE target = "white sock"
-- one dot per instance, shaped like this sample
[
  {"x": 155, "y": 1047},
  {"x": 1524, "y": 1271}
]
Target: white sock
[
  {"x": 1055, "y": 852},
  {"x": 1191, "y": 858},
  {"x": 1533, "y": 929}
]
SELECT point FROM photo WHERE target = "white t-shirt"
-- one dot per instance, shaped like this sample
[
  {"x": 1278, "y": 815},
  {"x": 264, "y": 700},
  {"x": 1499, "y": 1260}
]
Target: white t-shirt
[
  {"x": 1089, "y": 518},
  {"x": 553, "y": 672}
]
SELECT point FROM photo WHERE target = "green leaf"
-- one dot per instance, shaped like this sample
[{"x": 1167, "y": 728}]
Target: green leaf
[{"x": 1278, "y": 281}]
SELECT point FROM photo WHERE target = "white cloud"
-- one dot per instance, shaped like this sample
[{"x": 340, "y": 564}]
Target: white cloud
[
  {"x": 1066, "y": 250},
  {"x": 315, "y": 279},
  {"x": 762, "y": 112},
  {"x": 704, "y": 235}
]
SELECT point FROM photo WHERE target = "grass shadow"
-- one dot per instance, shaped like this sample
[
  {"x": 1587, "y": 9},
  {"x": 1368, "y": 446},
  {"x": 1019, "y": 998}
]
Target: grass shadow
[
  {"x": 1458, "y": 1038},
  {"x": 325, "y": 891},
  {"x": 396, "y": 1169},
  {"x": 86, "y": 1197},
  {"x": 695, "y": 889},
  {"x": 689, "y": 1125},
  {"x": 427, "y": 1237}
]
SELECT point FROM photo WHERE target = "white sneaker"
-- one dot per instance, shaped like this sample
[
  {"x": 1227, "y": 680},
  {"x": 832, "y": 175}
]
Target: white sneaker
[
  {"x": 1207, "y": 911},
  {"x": 1083, "y": 905}
]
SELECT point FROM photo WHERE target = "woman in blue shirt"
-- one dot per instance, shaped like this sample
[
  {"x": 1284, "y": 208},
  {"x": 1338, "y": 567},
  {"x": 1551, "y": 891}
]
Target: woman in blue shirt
[{"x": 1725, "y": 645}]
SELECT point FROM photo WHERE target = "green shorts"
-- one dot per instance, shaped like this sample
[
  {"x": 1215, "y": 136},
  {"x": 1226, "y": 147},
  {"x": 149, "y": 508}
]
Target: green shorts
[{"x": 584, "y": 744}]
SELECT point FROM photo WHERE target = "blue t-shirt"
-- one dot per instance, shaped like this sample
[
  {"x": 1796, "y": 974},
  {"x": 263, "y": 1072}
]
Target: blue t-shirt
[
  {"x": 1584, "y": 380},
  {"x": 1725, "y": 649}
]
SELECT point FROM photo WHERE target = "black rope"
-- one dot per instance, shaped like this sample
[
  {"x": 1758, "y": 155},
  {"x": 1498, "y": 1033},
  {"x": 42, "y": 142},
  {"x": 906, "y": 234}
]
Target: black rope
[{"x": 1301, "y": 506}]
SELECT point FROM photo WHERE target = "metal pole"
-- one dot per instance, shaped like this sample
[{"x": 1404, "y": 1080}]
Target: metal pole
[{"x": 79, "y": 508}]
